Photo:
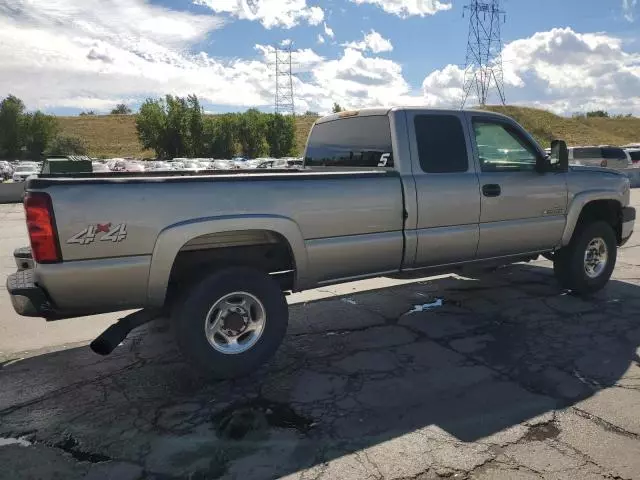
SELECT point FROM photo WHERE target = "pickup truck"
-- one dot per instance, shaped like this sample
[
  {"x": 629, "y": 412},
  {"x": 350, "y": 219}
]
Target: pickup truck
[{"x": 383, "y": 192}]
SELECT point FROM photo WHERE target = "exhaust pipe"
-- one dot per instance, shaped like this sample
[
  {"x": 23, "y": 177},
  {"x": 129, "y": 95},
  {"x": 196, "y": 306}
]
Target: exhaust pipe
[{"x": 116, "y": 333}]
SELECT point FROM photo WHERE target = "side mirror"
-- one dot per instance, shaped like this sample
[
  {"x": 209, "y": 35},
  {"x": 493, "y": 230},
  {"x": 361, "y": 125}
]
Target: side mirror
[{"x": 559, "y": 158}]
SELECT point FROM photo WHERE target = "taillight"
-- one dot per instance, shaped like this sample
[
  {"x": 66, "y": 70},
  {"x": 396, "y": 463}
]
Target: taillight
[
  {"x": 603, "y": 163},
  {"x": 41, "y": 228}
]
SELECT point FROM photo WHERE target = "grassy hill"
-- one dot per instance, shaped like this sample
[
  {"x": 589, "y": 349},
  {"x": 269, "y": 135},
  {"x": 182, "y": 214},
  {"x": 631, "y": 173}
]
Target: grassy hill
[
  {"x": 115, "y": 135},
  {"x": 546, "y": 126}
]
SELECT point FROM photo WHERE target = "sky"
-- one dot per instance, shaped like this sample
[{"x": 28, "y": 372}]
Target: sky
[{"x": 68, "y": 56}]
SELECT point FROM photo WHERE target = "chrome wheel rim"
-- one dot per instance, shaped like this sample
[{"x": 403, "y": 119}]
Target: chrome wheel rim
[
  {"x": 595, "y": 258},
  {"x": 235, "y": 323}
]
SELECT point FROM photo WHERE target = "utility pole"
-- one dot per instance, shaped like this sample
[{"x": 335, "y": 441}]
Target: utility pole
[
  {"x": 284, "y": 100},
  {"x": 483, "y": 66}
]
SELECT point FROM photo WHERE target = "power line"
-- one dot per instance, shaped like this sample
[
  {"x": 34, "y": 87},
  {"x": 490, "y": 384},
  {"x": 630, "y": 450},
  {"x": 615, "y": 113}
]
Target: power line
[{"x": 483, "y": 66}]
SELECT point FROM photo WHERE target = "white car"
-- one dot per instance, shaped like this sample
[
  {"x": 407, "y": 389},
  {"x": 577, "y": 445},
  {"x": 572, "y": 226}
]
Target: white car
[
  {"x": 600, "y": 156},
  {"x": 634, "y": 153},
  {"x": 24, "y": 171},
  {"x": 99, "y": 167}
]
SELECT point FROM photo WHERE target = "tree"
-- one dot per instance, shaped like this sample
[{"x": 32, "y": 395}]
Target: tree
[
  {"x": 196, "y": 127},
  {"x": 598, "y": 114},
  {"x": 88, "y": 112},
  {"x": 337, "y": 108},
  {"x": 151, "y": 122},
  {"x": 121, "y": 109},
  {"x": 177, "y": 127},
  {"x": 39, "y": 130},
  {"x": 220, "y": 133},
  {"x": 67, "y": 145},
  {"x": 311, "y": 113},
  {"x": 252, "y": 134},
  {"x": 11, "y": 127},
  {"x": 281, "y": 135}
]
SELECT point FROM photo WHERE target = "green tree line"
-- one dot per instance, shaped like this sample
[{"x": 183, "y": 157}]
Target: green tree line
[
  {"x": 177, "y": 127},
  {"x": 29, "y": 135}
]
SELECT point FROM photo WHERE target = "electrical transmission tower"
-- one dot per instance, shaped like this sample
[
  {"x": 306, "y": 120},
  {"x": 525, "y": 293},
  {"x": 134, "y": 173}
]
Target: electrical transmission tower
[
  {"x": 483, "y": 67},
  {"x": 284, "y": 101}
]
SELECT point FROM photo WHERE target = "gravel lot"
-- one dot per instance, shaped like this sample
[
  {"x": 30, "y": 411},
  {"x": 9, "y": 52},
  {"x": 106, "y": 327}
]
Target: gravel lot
[{"x": 510, "y": 378}]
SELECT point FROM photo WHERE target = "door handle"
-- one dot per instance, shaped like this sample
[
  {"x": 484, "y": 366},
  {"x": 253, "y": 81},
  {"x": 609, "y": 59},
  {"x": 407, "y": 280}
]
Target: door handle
[{"x": 491, "y": 190}]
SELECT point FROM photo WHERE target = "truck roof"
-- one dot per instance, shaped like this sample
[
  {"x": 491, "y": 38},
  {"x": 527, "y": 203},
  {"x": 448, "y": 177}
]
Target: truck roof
[{"x": 370, "y": 111}]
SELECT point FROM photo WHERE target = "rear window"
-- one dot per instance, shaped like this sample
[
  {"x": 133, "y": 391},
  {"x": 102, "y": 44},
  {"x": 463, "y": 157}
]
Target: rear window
[
  {"x": 591, "y": 152},
  {"x": 351, "y": 142},
  {"x": 613, "y": 153},
  {"x": 441, "y": 144}
]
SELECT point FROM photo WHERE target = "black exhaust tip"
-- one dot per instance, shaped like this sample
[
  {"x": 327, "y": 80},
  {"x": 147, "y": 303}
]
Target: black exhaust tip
[{"x": 110, "y": 338}]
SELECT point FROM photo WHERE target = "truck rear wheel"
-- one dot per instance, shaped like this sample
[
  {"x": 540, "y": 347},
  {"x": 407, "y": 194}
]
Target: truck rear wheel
[
  {"x": 231, "y": 322},
  {"x": 586, "y": 264}
]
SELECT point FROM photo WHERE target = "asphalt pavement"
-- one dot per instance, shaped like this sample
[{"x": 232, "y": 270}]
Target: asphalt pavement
[{"x": 505, "y": 377}]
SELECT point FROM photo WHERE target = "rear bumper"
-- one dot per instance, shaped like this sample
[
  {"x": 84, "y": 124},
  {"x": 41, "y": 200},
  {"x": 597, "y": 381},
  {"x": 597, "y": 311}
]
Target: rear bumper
[
  {"x": 27, "y": 298},
  {"x": 628, "y": 223}
]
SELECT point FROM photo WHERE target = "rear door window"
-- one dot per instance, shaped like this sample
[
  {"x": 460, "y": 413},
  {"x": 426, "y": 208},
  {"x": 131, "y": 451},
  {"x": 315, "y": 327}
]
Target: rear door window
[
  {"x": 584, "y": 153},
  {"x": 611, "y": 153},
  {"x": 356, "y": 142},
  {"x": 635, "y": 156},
  {"x": 441, "y": 144}
]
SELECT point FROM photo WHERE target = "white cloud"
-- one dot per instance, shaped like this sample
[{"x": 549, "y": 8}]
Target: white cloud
[
  {"x": 561, "y": 70},
  {"x": 628, "y": 7},
  {"x": 270, "y": 13},
  {"x": 97, "y": 53},
  {"x": 328, "y": 31},
  {"x": 320, "y": 39},
  {"x": 372, "y": 41},
  {"x": 406, "y": 8}
]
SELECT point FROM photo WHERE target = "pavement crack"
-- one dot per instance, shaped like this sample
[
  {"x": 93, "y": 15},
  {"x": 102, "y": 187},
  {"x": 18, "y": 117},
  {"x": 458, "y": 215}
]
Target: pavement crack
[
  {"x": 68, "y": 388},
  {"x": 605, "y": 424}
]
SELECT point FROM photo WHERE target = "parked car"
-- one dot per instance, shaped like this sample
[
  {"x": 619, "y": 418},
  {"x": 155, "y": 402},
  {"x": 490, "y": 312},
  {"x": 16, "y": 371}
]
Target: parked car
[
  {"x": 600, "y": 156},
  {"x": 24, "y": 170},
  {"x": 394, "y": 192},
  {"x": 223, "y": 165},
  {"x": 99, "y": 167},
  {"x": 130, "y": 166},
  {"x": 6, "y": 170},
  {"x": 634, "y": 154}
]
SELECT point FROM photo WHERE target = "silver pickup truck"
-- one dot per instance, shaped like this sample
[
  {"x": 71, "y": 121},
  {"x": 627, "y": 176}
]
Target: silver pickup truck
[{"x": 400, "y": 191}]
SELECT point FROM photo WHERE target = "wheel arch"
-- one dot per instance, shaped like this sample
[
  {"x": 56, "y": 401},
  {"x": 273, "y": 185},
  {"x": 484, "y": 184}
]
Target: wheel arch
[
  {"x": 603, "y": 205},
  {"x": 236, "y": 230}
]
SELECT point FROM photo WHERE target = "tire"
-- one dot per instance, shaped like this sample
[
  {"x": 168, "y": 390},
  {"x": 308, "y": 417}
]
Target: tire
[
  {"x": 569, "y": 262},
  {"x": 209, "y": 299}
]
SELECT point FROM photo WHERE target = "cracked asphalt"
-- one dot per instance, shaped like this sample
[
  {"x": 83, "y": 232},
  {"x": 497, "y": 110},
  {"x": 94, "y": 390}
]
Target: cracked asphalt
[{"x": 511, "y": 378}]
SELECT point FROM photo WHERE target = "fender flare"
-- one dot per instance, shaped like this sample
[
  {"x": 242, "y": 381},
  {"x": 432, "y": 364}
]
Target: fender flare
[
  {"x": 173, "y": 238},
  {"x": 579, "y": 202}
]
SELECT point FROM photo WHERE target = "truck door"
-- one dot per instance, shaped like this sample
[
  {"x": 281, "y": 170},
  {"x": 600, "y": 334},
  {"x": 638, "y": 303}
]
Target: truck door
[
  {"x": 523, "y": 211},
  {"x": 447, "y": 191}
]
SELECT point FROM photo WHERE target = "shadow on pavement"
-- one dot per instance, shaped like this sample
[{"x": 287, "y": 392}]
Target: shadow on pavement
[{"x": 354, "y": 372}]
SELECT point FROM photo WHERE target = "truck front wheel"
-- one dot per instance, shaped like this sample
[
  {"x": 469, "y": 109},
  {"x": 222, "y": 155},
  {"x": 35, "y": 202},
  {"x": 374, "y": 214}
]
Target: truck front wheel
[
  {"x": 586, "y": 264},
  {"x": 231, "y": 322}
]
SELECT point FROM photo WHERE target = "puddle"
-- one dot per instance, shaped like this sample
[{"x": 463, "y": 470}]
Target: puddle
[
  {"x": 426, "y": 306},
  {"x": 23, "y": 442},
  {"x": 255, "y": 417}
]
